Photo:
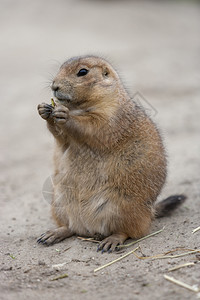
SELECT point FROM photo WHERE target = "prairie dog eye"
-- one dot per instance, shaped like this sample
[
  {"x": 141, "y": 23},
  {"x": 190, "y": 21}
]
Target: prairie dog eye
[{"x": 82, "y": 72}]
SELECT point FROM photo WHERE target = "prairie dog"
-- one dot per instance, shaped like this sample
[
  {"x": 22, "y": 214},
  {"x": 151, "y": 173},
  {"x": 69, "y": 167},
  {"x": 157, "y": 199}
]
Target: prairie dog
[{"x": 110, "y": 162}]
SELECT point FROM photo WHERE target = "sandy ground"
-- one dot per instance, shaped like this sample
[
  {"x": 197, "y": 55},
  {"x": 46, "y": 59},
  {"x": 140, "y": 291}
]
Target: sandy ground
[{"x": 155, "y": 45}]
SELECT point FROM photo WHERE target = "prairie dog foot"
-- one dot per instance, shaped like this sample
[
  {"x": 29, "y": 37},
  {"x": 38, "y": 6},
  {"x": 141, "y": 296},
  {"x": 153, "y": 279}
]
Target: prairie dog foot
[
  {"x": 110, "y": 243},
  {"x": 54, "y": 236}
]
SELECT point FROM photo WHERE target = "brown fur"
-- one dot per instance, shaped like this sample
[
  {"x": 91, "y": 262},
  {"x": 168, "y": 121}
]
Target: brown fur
[{"x": 110, "y": 163}]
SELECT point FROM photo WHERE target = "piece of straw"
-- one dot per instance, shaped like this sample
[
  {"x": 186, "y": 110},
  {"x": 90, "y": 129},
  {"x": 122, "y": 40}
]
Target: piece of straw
[
  {"x": 116, "y": 260},
  {"x": 181, "y": 266},
  {"x": 180, "y": 283},
  {"x": 162, "y": 256},
  {"x": 59, "y": 277},
  {"x": 87, "y": 239},
  {"x": 145, "y": 237},
  {"x": 196, "y": 229}
]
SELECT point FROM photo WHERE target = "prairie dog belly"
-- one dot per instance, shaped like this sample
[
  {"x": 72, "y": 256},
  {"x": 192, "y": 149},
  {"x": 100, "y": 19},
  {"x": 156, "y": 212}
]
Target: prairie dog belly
[
  {"x": 81, "y": 196},
  {"x": 83, "y": 213}
]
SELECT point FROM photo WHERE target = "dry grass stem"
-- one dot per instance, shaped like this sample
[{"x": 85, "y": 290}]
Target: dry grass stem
[
  {"x": 162, "y": 256},
  {"x": 180, "y": 283},
  {"x": 181, "y": 266},
  {"x": 87, "y": 239},
  {"x": 144, "y": 238},
  {"x": 59, "y": 277},
  {"x": 66, "y": 249},
  {"x": 196, "y": 229},
  {"x": 116, "y": 260}
]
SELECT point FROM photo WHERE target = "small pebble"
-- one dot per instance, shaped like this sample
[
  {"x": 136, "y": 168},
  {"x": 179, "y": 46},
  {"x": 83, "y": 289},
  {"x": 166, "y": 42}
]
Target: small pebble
[{"x": 41, "y": 263}]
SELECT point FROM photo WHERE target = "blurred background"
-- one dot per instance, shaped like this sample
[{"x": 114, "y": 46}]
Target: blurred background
[{"x": 155, "y": 46}]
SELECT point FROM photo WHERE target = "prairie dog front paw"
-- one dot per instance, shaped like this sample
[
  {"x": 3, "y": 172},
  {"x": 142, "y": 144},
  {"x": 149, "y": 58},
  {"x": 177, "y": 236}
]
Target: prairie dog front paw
[
  {"x": 60, "y": 114},
  {"x": 45, "y": 110}
]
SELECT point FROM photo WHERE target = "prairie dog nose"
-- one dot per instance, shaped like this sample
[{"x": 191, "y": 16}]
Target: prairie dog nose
[{"x": 55, "y": 86}]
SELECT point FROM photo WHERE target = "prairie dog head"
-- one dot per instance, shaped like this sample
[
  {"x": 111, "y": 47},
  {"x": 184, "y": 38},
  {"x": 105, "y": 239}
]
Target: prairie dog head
[{"x": 86, "y": 81}]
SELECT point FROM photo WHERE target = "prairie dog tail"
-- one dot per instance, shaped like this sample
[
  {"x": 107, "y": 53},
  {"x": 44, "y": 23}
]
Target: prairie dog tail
[{"x": 166, "y": 206}]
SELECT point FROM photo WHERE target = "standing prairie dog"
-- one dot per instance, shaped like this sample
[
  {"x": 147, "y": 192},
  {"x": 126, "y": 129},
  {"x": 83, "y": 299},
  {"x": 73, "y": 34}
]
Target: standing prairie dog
[{"x": 110, "y": 163}]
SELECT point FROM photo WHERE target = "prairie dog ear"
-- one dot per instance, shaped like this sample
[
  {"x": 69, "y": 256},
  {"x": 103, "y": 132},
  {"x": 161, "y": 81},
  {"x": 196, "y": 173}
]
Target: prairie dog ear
[{"x": 105, "y": 72}]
